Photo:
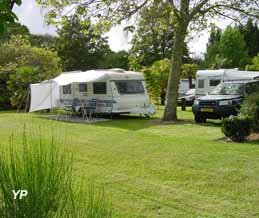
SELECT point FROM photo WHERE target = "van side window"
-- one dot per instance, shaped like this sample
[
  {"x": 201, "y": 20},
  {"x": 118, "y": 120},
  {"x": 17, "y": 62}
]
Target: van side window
[
  {"x": 66, "y": 89},
  {"x": 214, "y": 82},
  {"x": 82, "y": 87},
  {"x": 99, "y": 87},
  {"x": 201, "y": 83}
]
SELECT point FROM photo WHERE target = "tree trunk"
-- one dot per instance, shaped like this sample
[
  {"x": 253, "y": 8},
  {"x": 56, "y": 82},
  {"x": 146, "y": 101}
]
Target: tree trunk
[
  {"x": 190, "y": 82},
  {"x": 170, "y": 112}
]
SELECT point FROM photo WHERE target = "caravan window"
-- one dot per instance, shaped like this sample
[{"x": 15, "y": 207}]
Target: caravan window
[
  {"x": 201, "y": 83},
  {"x": 99, "y": 88},
  {"x": 66, "y": 89},
  {"x": 130, "y": 87},
  {"x": 82, "y": 87},
  {"x": 214, "y": 82}
]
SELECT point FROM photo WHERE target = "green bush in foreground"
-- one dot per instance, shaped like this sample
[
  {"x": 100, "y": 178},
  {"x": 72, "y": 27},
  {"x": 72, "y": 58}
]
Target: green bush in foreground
[
  {"x": 44, "y": 169},
  {"x": 250, "y": 109},
  {"x": 237, "y": 128}
]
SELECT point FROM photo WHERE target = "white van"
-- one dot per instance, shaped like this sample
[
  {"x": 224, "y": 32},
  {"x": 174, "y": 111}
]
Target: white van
[
  {"x": 207, "y": 80},
  {"x": 105, "y": 91}
]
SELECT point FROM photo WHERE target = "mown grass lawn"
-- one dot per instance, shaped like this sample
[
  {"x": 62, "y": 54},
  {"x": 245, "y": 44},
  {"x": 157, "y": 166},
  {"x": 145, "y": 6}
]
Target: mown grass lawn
[{"x": 154, "y": 170}]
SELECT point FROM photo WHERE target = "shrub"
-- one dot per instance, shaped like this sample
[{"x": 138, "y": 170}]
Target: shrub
[
  {"x": 41, "y": 166},
  {"x": 250, "y": 109},
  {"x": 237, "y": 128}
]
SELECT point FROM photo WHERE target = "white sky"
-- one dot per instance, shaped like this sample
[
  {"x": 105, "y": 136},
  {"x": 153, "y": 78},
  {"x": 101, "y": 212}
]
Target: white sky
[{"x": 32, "y": 16}]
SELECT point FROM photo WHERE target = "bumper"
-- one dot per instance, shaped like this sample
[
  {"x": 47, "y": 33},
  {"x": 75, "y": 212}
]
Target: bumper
[{"x": 216, "y": 112}]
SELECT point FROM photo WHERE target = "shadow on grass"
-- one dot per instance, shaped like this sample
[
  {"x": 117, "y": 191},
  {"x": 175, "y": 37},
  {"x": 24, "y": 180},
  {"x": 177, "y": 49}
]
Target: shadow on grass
[
  {"x": 137, "y": 122},
  {"x": 127, "y": 122}
]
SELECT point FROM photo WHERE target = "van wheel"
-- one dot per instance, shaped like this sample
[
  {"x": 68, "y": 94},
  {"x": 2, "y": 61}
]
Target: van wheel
[{"x": 199, "y": 119}]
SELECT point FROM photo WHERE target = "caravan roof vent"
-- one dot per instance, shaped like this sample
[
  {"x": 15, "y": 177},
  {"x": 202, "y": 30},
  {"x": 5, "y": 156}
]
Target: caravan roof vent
[{"x": 118, "y": 70}]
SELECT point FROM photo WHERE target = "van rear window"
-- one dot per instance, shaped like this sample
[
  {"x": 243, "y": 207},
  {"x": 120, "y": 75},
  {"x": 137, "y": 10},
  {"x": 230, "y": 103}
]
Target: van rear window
[{"x": 130, "y": 87}]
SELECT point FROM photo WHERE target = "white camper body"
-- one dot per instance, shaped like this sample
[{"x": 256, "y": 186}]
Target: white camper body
[
  {"x": 207, "y": 80},
  {"x": 103, "y": 91},
  {"x": 184, "y": 86}
]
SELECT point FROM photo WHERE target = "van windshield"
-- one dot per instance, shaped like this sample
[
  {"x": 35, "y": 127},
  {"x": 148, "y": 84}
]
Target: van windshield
[
  {"x": 130, "y": 87},
  {"x": 229, "y": 89}
]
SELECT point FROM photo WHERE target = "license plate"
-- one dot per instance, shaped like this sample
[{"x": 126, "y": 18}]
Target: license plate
[{"x": 210, "y": 110}]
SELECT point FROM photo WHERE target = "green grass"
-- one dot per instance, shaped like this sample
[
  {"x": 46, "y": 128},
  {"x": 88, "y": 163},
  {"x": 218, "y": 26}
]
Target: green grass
[{"x": 153, "y": 170}]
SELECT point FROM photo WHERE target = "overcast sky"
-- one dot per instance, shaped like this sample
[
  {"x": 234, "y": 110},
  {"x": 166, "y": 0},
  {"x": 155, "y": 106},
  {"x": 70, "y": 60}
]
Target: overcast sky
[{"x": 32, "y": 16}]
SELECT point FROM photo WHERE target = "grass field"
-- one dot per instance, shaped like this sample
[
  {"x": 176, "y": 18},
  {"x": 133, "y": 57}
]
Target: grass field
[{"x": 154, "y": 170}]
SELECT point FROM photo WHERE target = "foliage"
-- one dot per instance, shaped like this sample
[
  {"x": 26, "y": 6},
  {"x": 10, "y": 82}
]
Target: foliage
[
  {"x": 250, "y": 31},
  {"x": 14, "y": 29},
  {"x": 43, "y": 41},
  {"x": 118, "y": 59},
  {"x": 79, "y": 46},
  {"x": 237, "y": 128},
  {"x": 19, "y": 61},
  {"x": 213, "y": 48},
  {"x": 233, "y": 48},
  {"x": 250, "y": 109},
  {"x": 156, "y": 78},
  {"x": 254, "y": 66},
  {"x": 7, "y": 16},
  {"x": 153, "y": 38},
  {"x": 189, "y": 71}
]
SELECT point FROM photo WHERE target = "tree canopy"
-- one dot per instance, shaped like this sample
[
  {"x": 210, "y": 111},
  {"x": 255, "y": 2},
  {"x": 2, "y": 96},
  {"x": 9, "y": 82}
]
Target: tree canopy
[
  {"x": 233, "y": 51},
  {"x": 154, "y": 35},
  {"x": 19, "y": 61},
  {"x": 79, "y": 46}
]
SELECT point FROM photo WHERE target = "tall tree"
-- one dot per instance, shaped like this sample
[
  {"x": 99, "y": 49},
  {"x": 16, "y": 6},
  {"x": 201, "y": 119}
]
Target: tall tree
[
  {"x": 153, "y": 38},
  {"x": 212, "y": 47},
  {"x": 250, "y": 31},
  {"x": 189, "y": 14},
  {"x": 233, "y": 50},
  {"x": 79, "y": 46}
]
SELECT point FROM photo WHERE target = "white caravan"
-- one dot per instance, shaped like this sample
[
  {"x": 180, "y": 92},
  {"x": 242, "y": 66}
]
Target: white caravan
[
  {"x": 207, "y": 80},
  {"x": 102, "y": 91}
]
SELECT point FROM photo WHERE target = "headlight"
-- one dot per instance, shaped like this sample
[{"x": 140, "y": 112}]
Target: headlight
[
  {"x": 196, "y": 102},
  {"x": 223, "y": 103}
]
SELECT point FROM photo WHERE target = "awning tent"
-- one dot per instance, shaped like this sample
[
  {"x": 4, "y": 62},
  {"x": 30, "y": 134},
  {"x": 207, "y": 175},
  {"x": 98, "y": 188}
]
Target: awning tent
[{"x": 46, "y": 95}]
